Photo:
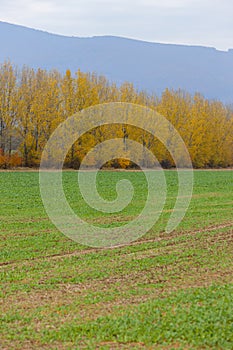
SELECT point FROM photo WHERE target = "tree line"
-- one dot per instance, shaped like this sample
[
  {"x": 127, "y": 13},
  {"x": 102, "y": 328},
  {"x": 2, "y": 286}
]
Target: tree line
[{"x": 33, "y": 102}]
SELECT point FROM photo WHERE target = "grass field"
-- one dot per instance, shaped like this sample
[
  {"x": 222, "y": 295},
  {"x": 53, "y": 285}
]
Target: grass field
[{"x": 164, "y": 291}]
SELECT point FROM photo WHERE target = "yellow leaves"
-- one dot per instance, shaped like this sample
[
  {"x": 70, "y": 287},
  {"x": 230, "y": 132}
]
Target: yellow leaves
[
  {"x": 202, "y": 124},
  {"x": 123, "y": 163},
  {"x": 34, "y": 102},
  {"x": 86, "y": 94}
]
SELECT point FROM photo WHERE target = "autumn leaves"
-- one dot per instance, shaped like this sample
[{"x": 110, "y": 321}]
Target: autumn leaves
[{"x": 34, "y": 102}]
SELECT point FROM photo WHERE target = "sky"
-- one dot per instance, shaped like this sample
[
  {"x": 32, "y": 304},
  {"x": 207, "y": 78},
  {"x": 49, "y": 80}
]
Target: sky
[{"x": 193, "y": 22}]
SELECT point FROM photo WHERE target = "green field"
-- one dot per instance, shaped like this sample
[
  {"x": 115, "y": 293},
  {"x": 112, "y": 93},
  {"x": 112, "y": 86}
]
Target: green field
[{"x": 164, "y": 291}]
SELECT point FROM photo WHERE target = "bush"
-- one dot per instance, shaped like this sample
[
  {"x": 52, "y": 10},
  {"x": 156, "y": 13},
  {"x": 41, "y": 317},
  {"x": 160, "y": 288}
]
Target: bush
[{"x": 10, "y": 161}]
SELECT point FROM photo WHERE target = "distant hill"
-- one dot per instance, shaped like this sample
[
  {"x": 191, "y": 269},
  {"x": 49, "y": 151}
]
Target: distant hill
[{"x": 150, "y": 66}]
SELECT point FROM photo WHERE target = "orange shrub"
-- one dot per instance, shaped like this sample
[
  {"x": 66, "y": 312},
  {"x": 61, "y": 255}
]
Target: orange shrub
[{"x": 12, "y": 161}]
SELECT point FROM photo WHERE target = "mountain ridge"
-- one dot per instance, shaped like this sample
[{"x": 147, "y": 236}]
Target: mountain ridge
[
  {"x": 111, "y": 36},
  {"x": 149, "y": 66}
]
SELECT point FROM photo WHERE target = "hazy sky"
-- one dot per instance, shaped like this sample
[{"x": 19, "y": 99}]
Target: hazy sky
[{"x": 198, "y": 22}]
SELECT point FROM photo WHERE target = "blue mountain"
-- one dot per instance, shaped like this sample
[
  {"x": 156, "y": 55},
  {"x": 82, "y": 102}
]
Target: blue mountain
[{"x": 149, "y": 66}]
